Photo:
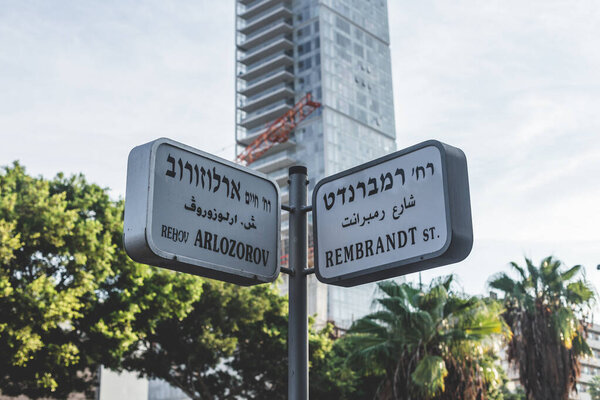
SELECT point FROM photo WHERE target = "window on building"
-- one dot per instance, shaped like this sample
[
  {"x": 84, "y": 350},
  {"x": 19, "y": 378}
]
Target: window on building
[
  {"x": 303, "y": 31},
  {"x": 358, "y": 34},
  {"x": 342, "y": 40},
  {"x": 358, "y": 50},
  {"x": 304, "y": 48},
  {"x": 342, "y": 25},
  {"x": 304, "y": 64}
]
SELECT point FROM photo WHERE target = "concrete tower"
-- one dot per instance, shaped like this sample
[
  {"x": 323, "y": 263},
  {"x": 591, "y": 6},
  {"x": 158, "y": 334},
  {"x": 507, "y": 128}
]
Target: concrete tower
[{"x": 338, "y": 51}]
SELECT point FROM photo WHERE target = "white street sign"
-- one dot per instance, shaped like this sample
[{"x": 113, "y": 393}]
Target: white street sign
[
  {"x": 404, "y": 212},
  {"x": 193, "y": 212}
]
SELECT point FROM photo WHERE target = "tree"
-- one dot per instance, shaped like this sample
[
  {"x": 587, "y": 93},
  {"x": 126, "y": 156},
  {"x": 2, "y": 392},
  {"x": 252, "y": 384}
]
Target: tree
[
  {"x": 332, "y": 378},
  {"x": 543, "y": 308},
  {"x": 70, "y": 299},
  {"x": 427, "y": 345},
  {"x": 233, "y": 344},
  {"x": 230, "y": 344}
]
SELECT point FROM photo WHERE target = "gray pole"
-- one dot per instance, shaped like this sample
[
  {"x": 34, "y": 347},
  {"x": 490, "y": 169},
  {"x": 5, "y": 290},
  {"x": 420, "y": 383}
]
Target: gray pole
[{"x": 298, "y": 306}]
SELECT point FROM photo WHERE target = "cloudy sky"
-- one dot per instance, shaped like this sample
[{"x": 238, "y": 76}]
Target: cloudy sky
[{"x": 515, "y": 84}]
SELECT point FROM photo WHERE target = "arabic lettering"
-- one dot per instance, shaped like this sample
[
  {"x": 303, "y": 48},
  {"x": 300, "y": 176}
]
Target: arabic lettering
[
  {"x": 379, "y": 215},
  {"x": 215, "y": 215},
  {"x": 249, "y": 225}
]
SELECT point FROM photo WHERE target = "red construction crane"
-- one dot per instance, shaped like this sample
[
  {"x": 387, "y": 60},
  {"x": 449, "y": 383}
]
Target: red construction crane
[{"x": 278, "y": 131}]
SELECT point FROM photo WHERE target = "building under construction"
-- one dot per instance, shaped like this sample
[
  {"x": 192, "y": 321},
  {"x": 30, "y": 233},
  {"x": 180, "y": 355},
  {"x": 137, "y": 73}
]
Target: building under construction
[{"x": 314, "y": 87}]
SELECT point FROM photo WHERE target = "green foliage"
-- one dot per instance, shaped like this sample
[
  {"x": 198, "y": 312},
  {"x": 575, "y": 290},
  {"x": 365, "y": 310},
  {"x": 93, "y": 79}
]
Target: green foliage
[
  {"x": 432, "y": 344},
  {"x": 518, "y": 394},
  {"x": 331, "y": 378},
  {"x": 544, "y": 308},
  {"x": 595, "y": 388},
  {"x": 70, "y": 299},
  {"x": 233, "y": 344}
]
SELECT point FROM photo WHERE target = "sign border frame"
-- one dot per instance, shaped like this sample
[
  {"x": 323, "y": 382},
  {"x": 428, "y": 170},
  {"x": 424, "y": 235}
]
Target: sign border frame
[
  {"x": 459, "y": 239},
  {"x": 139, "y": 243}
]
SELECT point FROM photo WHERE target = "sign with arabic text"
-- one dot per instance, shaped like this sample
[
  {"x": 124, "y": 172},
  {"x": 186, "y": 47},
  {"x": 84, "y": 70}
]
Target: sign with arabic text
[
  {"x": 405, "y": 212},
  {"x": 193, "y": 212}
]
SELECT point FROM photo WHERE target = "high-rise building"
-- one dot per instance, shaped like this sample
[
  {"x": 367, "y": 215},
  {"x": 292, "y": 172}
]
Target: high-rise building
[
  {"x": 338, "y": 51},
  {"x": 590, "y": 365}
]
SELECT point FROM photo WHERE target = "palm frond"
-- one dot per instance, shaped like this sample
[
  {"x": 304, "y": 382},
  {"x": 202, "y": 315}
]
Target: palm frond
[
  {"x": 395, "y": 305},
  {"x": 430, "y": 374},
  {"x": 579, "y": 293},
  {"x": 502, "y": 282},
  {"x": 391, "y": 288},
  {"x": 570, "y": 273},
  {"x": 534, "y": 274},
  {"x": 520, "y": 270},
  {"x": 367, "y": 326}
]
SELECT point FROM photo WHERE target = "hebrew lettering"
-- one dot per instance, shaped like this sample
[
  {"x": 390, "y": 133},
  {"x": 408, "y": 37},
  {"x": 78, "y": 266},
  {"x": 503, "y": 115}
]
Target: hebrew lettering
[
  {"x": 390, "y": 183},
  {"x": 342, "y": 191},
  {"x": 188, "y": 166},
  {"x": 330, "y": 196},
  {"x": 171, "y": 172},
  {"x": 217, "y": 178},
  {"x": 372, "y": 181}
]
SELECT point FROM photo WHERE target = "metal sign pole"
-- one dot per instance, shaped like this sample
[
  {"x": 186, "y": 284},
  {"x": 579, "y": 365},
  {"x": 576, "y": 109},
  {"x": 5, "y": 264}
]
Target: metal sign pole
[{"x": 298, "y": 307}]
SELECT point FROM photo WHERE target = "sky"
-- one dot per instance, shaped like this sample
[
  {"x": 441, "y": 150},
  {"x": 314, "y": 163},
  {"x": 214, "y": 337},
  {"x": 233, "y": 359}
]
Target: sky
[{"x": 514, "y": 84}]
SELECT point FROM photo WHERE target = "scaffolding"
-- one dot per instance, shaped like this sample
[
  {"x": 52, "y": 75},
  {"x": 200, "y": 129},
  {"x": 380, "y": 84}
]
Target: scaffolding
[{"x": 278, "y": 131}]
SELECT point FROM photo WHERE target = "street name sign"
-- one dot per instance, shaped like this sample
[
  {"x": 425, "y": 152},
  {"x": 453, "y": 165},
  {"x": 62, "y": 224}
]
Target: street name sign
[
  {"x": 193, "y": 212},
  {"x": 405, "y": 212}
]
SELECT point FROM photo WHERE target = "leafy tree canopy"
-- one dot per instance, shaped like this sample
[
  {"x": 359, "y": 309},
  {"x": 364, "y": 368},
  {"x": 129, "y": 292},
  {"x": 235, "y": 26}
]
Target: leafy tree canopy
[
  {"x": 544, "y": 307},
  {"x": 431, "y": 344},
  {"x": 70, "y": 299}
]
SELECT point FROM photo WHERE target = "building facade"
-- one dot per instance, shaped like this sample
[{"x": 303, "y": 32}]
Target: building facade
[
  {"x": 338, "y": 51},
  {"x": 590, "y": 366}
]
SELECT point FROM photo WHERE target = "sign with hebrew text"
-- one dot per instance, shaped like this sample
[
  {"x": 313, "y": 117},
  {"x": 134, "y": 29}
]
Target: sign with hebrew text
[
  {"x": 402, "y": 213},
  {"x": 196, "y": 213}
]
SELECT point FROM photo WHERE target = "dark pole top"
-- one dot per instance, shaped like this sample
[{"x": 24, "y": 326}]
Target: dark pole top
[{"x": 298, "y": 169}]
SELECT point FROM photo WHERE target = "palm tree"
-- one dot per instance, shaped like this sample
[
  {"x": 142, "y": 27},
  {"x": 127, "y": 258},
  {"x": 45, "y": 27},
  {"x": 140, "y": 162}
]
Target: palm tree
[
  {"x": 544, "y": 308},
  {"x": 426, "y": 345}
]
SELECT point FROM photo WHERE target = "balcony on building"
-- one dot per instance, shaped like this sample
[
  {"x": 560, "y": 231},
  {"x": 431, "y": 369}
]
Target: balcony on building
[
  {"x": 274, "y": 162},
  {"x": 266, "y": 114},
  {"x": 279, "y": 75},
  {"x": 280, "y": 11},
  {"x": 280, "y": 176},
  {"x": 284, "y": 193},
  {"x": 252, "y": 8},
  {"x": 285, "y": 226},
  {"x": 281, "y": 58},
  {"x": 267, "y": 32},
  {"x": 265, "y": 49},
  {"x": 275, "y": 93}
]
